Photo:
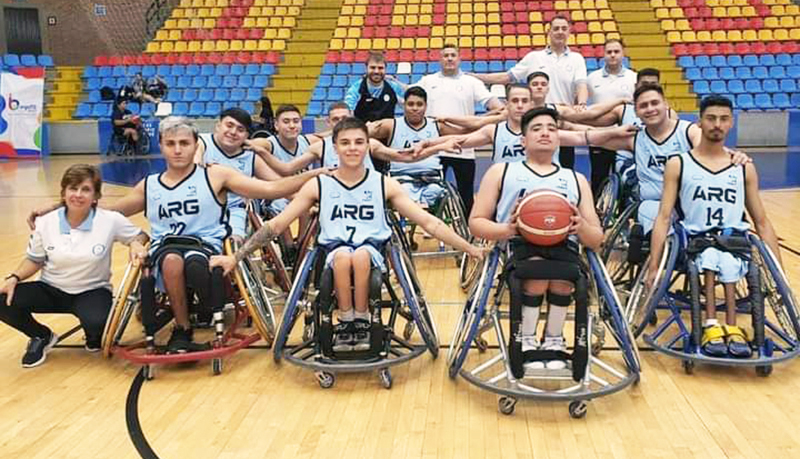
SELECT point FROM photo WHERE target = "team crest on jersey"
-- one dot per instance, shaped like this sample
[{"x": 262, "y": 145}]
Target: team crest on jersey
[
  {"x": 732, "y": 180},
  {"x": 367, "y": 195},
  {"x": 562, "y": 183},
  {"x": 192, "y": 190}
]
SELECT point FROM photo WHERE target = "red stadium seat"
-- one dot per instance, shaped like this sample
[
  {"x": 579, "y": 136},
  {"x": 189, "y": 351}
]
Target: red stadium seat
[
  {"x": 439, "y": 8},
  {"x": 774, "y": 47},
  {"x": 481, "y": 54},
  {"x": 228, "y": 34},
  {"x": 171, "y": 58},
  {"x": 229, "y": 58},
  {"x": 790, "y": 47},
  {"x": 691, "y": 13},
  {"x": 143, "y": 59},
  {"x": 189, "y": 34},
  {"x": 496, "y": 54},
  {"x": 244, "y": 34},
  {"x": 385, "y": 21},
  {"x": 260, "y": 57},
  {"x": 439, "y": 19},
  {"x": 157, "y": 59},
  {"x": 710, "y": 49},
  {"x": 509, "y": 29},
  {"x": 520, "y": 6},
  {"x": 222, "y": 23},
  {"x": 549, "y": 15},
  {"x": 331, "y": 57},
  {"x": 114, "y": 60},
  {"x": 705, "y": 12},
  {"x": 371, "y": 21},
  {"x": 685, "y": 3},
  {"x": 727, "y": 24},
  {"x": 508, "y": 18},
  {"x": 215, "y": 58},
  {"x": 391, "y": 55},
  {"x": 763, "y": 11},
  {"x": 348, "y": 57},
  {"x": 235, "y": 23},
  {"x": 680, "y": 50},
  {"x": 546, "y": 6},
  {"x": 381, "y": 32},
  {"x": 435, "y": 54},
  {"x": 505, "y": 6},
  {"x": 128, "y": 60},
  {"x": 368, "y": 32},
  {"x": 727, "y": 48},
  {"x": 510, "y": 54},
  {"x": 410, "y": 32},
  {"x": 523, "y": 29},
  {"x": 698, "y": 24},
  {"x": 396, "y": 32},
  {"x": 742, "y": 48},
  {"x": 185, "y": 59},
  {"x": 386, "y": 10},
  {"x": 405, "y": 55},
  {"x": 216, "y": 34},
  {"x": 742, "y": 23},
  {"x": 579, "y": 27},
  {"x": 420, "y": 55},
  {"x": 522, "y": 17},
  {"x": 424, "y": 31},
  {"x": 465, "y": 54},
  {"x": 522, "y": 52},
  {"x": 758, "y": 48},
  {"x": 756, "y": 23},
  {"x": 255, "y": 34}
]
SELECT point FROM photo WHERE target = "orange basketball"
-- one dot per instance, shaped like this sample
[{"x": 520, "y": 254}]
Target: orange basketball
[{"x": 544, "y": 218}]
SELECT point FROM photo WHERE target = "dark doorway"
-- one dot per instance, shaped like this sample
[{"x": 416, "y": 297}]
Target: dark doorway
[{"x": 22, "y": 31}]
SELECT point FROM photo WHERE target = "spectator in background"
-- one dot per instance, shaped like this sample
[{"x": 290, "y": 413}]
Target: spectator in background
[
  {"x": 612, "y": 82},
  {"x": 156, "y": 90},
  {"x": 374, "y": 96},
  {"x": 265, "y": 120},
  {"x": 124, "y": 122},
  {"x": 452, "y": 92},
  {"x": 566, "y": 69}
]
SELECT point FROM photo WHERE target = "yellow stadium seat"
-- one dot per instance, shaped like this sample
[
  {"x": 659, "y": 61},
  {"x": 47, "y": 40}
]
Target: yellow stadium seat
[
  {"x": 393, "y": 43},
  {"x": 662, "y": 13},
  {"x": 263, "y": 22},
  {"x": 670, "y": 3},
  {"x": 198, "y": 3},
  {"x": 346, "y": 10},
  {"x": 336, "y": 44},
  {"x": 340, "y": 33},
  {"x": 794, "y": 34},
  {"x": 494, "y": 41},
  {"x": 574, "y": 5},
  {"x": 493, "y": 18},
  {"x": 236, "y": 45},
  {"x": 657, "y": 3},
  {"x": 465, "y": 31},
  {"x": 781, "y": 34},
  {"x": 772, "y": 22},
  {"x": 270, "y": 33},
  {"x": 266, "y": 45},
  {"x": 606, "y": 15},
  {"x": 364, "y": 44},
  {"x": 673, "y": 36},
  {"x": 421, "y": 43},
  {"x": 275, "y": 21},
  {"x": 406, "y": 43},
  {"x": 609, "y": 26},
  {"x": 591, "y": 15},
  {"x": 583, "y": 39},
  {"x": 734, "y": 12},
  {"x": 186, "y": 4},
  {"x": 437, "y": 42},
  {"x": 181, "y": 47},
  {"x": 412, "y": 20},
  {"x": 215, "y": 12},
  {"x": 524, "y": 41},
  {"x": 426, "y": 9},
  {"x": 224, "y": 3},
  {"x": 343, "y": 21},
  {"x": 162, "y": 35},
  {"x": 210, "y": 3},
  {"x": 676, "y": 13},
  {"x": 690, "y": 36},
  {"x": 493, "y": 7},
  {"x": 284, "y": 34},
  {"x": 735, "y": 35},
  {"x": 398, "y": 20},
  {"x": 254, "y": 11},
  {"x": 357, "y": 21},
  {"x": 203, "y": 12},
  {"x": 378, "y": 43},
  {"x": 787, "y": 22},
  {"x": 480, "y": 29},
  {"x": 353, "y": 32},
  {"x": 537, "y": 29},
  {"x": 480, "y": 42},
  {"x": 293, "y": 11},
  {"x": 571, "y": 40},
  {"x": 166, "y": 46},
  {"x": 465, "y": 42},
  {"x": 479, "y": 8},
  {"x": 493, "y": 29},
  {"x": 222, "y": 45},
  {"x": 748, "y": 11},
  {"x": 535, "y": 16},
  {"x": 451, "y": 19},
  {"x": 601, "y": 4},
  {"x": 577, "y": 15},
  {"x": 250, "y": 45},
  {"x": 595, "y": 27},
  {"x": 280, "y": 45},
  {"x": 451, "y": 31},
  {"x": 719, "y": 35},
  {"x": 152, "y": 47},
  {"x": 668, "y": 25},
  {"x": 194, "y": 46},
  {"x": 560, "y": 5},
  {"x": 413, "y": 9},
  {"x": 539, "y": 40},
  {"x": 682, "y": 24},
  {"x": 359, "y": 10},
  {"x": 425, "y": 19},
  {"x": 465, "y": 18},
  {"x": 249, "y": 23},
  {"x": 465, "y": 7},
  {"x": 178, "y": 12},
  {"x": 188, "y": 13},
  {"x": 598, "y": 38},
  {"x": 452, "y": 7},
  {"x": 289, "y": 22},
  {"x": 173, "y": 23},
  {"x": 792, "y": 10},
  {"x": 437, "y": 31},
  {"x": 752, "y": 35},
  {"x": 175, "y": 35},
  {"x": 209, "y": 23},
  {"x": 208, "y": 45},
  {"x": 510, "y": 41},
  {"x": 587, "y": 4}
]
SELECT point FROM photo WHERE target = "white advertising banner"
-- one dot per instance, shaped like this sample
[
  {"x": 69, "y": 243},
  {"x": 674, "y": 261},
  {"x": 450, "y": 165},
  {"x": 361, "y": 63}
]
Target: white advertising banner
[{"x": 22, "y": 91}]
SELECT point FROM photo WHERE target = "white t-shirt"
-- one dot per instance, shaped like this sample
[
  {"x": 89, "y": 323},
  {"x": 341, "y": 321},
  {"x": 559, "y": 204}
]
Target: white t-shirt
[
  {"x": 604, "y": 86},
  {"x": 566, "y": 71},
  {"x": 78, "y": 259},
  {"x": 454, "y": 96}
]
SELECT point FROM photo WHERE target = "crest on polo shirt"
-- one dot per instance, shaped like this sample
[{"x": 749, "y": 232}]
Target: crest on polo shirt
[{"x": 98, "y": 249}]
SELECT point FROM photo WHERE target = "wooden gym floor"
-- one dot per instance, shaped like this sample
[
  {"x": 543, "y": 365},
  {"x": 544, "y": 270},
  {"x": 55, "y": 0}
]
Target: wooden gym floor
[{"x": 74, "y": 404}]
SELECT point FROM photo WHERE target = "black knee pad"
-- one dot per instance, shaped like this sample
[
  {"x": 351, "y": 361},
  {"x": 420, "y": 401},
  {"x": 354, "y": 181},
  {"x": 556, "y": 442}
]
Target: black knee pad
[
  {"x": 554, "y": 299},
  {"x": 532, "y": 301},
  {"x": 580, "y": 355},
  {"x": 636, "y": 251},
  {"x": 516, "y": 359},
  {"x": 147, "y": 296},
  {"x": 324, "y": 304}
]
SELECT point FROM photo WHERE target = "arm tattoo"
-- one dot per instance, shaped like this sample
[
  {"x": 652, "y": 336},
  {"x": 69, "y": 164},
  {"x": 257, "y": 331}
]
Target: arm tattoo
[{"x": 259, "y": 239}]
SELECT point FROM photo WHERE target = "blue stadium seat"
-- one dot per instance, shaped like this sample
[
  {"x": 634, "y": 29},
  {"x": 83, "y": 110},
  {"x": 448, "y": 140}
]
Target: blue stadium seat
[
  {"x": 238, "y": 95},
  {"x": 174, "y": 95},
  {"x": 134, "y": 107},
  {"x": 734, "y": 60},
  {"x": 718, "y": 87},
  {"x": 230, "y": 81},
  {"x": 164, "y": 70},
  {"x": 700, "y": 87},
  {"x": 702, "y": 61},
  {"x": 214, "y": 82},
  {"x": 324, "y": 81},
  {"x": 339, "y": 81},
  {"x": 319, "y": 93},
  {"x": 222, "y": 70},
  {"x": 192, "y": 70},
  {"x": 391, "y": 68},
  {"x": 770, "y": 86},
  {"x": 753, "y": 86},
  {"x": 750, "y": 60},
  {"x": 777, "y": 71},
  {"x": 767, "y": 60},
  {"x": 89, "y": 71},
  {"x": 434, "y": 67},
  {"x": 495, "y": 66},
  {"x": 237, "y": 69},
  {"x": 683, "y": 61},
  {"x": 132, "y": 70},
  {"x": 727, "y": 73},
  {"x": 213, "y": 109},
  {"x": 467, "y": 66},
  {"x": 260, "y": 82},
  {"x": 760, "y": 72},
  {"x": 745, "y": 102},
  {"x": 104, "y": 71},
  {"x": 335, "y": 94},
  {"x": 693, "y": 74},
  {"x": 796, "y": 59},
  {"x": 783, "y": 59},
  {"x": 743, "y": 73},
  {"x": 328, "y": 69},
  {"x": 710, "y": 73},
  {"x": 184, "y": 82},
  {"x": 405, "y": 79},
  {"x": 207, "y": 69},
  {"x": 793, "y": 71},
  {"x": 736, "y": 86},
  {"x": 508, "y": 64},
  {"x": 94, "y": 97},
  {"x": 189, "y": 95},
  {"x": 111, "y": 82},
  {"x": 205, "y": 95},
  {"x": 148, "y": 110},
  {"x": 781, "y": 100},
  {"x": 252, "y": 69},
  {"x": 788, "y": 85},
  {"x": 28, "y": 60},
  {"x": 45, "y": 60},
  {"x": 101, "y": 110},
  {"x": 358, "y": 68},
  {"x": 221, "y": 95},
  {"x": 719, "y": 61},
  {"x": 763, "y": 101},
  {"x": 419, "y": 67},
  {"x": 170, "y": 81},
  {"x": 92, "y": 83},
  {"x": 314, "y": 108},
  {"x": 267, "y": 69},
  {"x": 249, "y": 107},
  {"x": 343, "y": 69},
  {"x": 84, "y": 110},
  {"x": 149, "y": 70},
  {"x": 118, "y": 71},
  {"x": 199, "y": 82},
  {"x": 795, "y": 98},
  {"x": 197, "y": 109},
  {"x": 591, "y": 63},
  {"x": 11, "y": 60},
  {"x": 254, "y": 94},
  {"x": 180, "y": 109},
  {"x": 480, "y": 66},
  {"x": 245, "y": 81},
  {"x": 122, "y": 81}
]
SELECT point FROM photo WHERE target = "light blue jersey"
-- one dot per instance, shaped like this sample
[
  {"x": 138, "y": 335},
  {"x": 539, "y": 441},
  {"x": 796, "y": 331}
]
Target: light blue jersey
[
  {"x": 628, "y": 117},
  {"x": 711, "y": 200},
  {"x": 243, "y": 162},
  {"x": 330, "y": 158},
  {"x": 651, "y": 157},
  {"x": 506, "y": 145},
  {"x": 284, "y": 155},
  {"x": 519, "y": 180},
  {"x": 352, "y": 215},
  {"x": 190, "y": 208},
  {"x": 404, "y": 136}
]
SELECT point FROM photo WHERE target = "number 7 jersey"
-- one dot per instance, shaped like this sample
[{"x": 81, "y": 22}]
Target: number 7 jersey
[
  {"x": 352, "y": 215},
  {"x": 710, "y": 200}
]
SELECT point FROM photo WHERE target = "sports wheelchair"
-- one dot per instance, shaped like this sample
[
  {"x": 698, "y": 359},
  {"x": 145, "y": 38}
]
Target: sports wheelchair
[
  {"x": 618, "y": 192},
  {"x": 448, "y": 207},
  {"x": 137, "y": 297},
  {"x": 119, "y": 144},
  {"x": 311, "y": 299},
  {"x": 763, "y": 294},
  {"x": 501, "y": 370}
]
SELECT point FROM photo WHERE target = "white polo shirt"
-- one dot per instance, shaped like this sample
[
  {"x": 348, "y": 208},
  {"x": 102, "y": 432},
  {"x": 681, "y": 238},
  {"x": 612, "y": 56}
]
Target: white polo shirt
[
  {"x": 566, "y": 71},
  {"x": 78, "y": 259},
  {"x": 604, "y": 86},
  {"x": 454, "y": 96}
]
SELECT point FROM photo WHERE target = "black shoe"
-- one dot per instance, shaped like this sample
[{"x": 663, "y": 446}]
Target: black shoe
[
  {"x": 343, "y": 337},
  {"x": 361, "y": 335},
  {"x": 180, "y": 341},
  {"x": 36, "y": 352},
  {"x": 93, "y": 344}
]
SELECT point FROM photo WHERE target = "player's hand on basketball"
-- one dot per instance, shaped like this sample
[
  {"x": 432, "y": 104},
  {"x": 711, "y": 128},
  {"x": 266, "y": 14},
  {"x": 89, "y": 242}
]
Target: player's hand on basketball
[
  {"x": 738, "y": 157},
  {"x": 576, "y": 221},
  {"x": 8, "y": 288},
  {"x": 226, "y": 262}
]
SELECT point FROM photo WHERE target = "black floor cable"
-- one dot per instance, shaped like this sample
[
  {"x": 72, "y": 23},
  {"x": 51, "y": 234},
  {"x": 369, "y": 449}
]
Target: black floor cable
[{"x": 132, "y": 418}]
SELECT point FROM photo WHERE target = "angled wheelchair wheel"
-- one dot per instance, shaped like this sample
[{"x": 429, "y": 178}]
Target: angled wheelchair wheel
[
  {"x": 455, "y": 213},
  {"x": 415, "y": 299},
  {"x": 469, "y": 268},
  {"x": 253, "y": 294},
  {"x": 143, "y": 146},
  {"x": 779, "y": 301},
  {"x": 270, "y": 255},
  {"x": 607, "y": 200},
  {"x": 126, "y": 299},
  {"x": 294, "y": 307},
  {"x": 615, "y": 250},
  {"x": 642, "y": 302}
]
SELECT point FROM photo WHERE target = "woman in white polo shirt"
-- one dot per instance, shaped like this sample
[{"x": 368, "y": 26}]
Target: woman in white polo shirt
[{"x": 72, "y": 249}]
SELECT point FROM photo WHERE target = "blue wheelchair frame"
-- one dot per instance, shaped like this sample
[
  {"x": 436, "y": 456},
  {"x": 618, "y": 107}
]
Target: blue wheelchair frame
[{"x": 479, "y": 315}]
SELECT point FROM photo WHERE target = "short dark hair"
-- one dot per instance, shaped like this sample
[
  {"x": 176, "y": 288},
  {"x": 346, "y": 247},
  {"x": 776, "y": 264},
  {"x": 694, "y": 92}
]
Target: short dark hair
[
  {"x": 647, "y": 87},
  {"x": 715, "y": 100},
  {"x": 563, "y": 17},
  {"x": 538, "y": 74},
  {"x": 286, "y": 108},
  {"x": 416, "y": 91},
  {"x": 613, "y": 40},
  {"x": 449, "y": 45},
  {"x": 76, "y": 174},
  {"x": 347, "y": 124},
  {"x": 375, "y": 56},
  {"x": 534, "y": 112},
  {"x": 338, "y": 105},
  {"x": 511, "y": 86},
  {"x": 646, "y": 72},
  {"x": 240, "y": 115}
]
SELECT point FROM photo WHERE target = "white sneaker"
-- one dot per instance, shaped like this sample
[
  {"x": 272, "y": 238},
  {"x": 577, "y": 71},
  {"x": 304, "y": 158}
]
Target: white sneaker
[
  {"x": 530, "y": 343},
  {"x": 554, "y": 343}
]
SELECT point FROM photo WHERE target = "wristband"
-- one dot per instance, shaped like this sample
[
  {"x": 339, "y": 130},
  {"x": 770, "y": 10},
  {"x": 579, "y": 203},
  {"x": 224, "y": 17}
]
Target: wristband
[{"x": 15, "y": 276}]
